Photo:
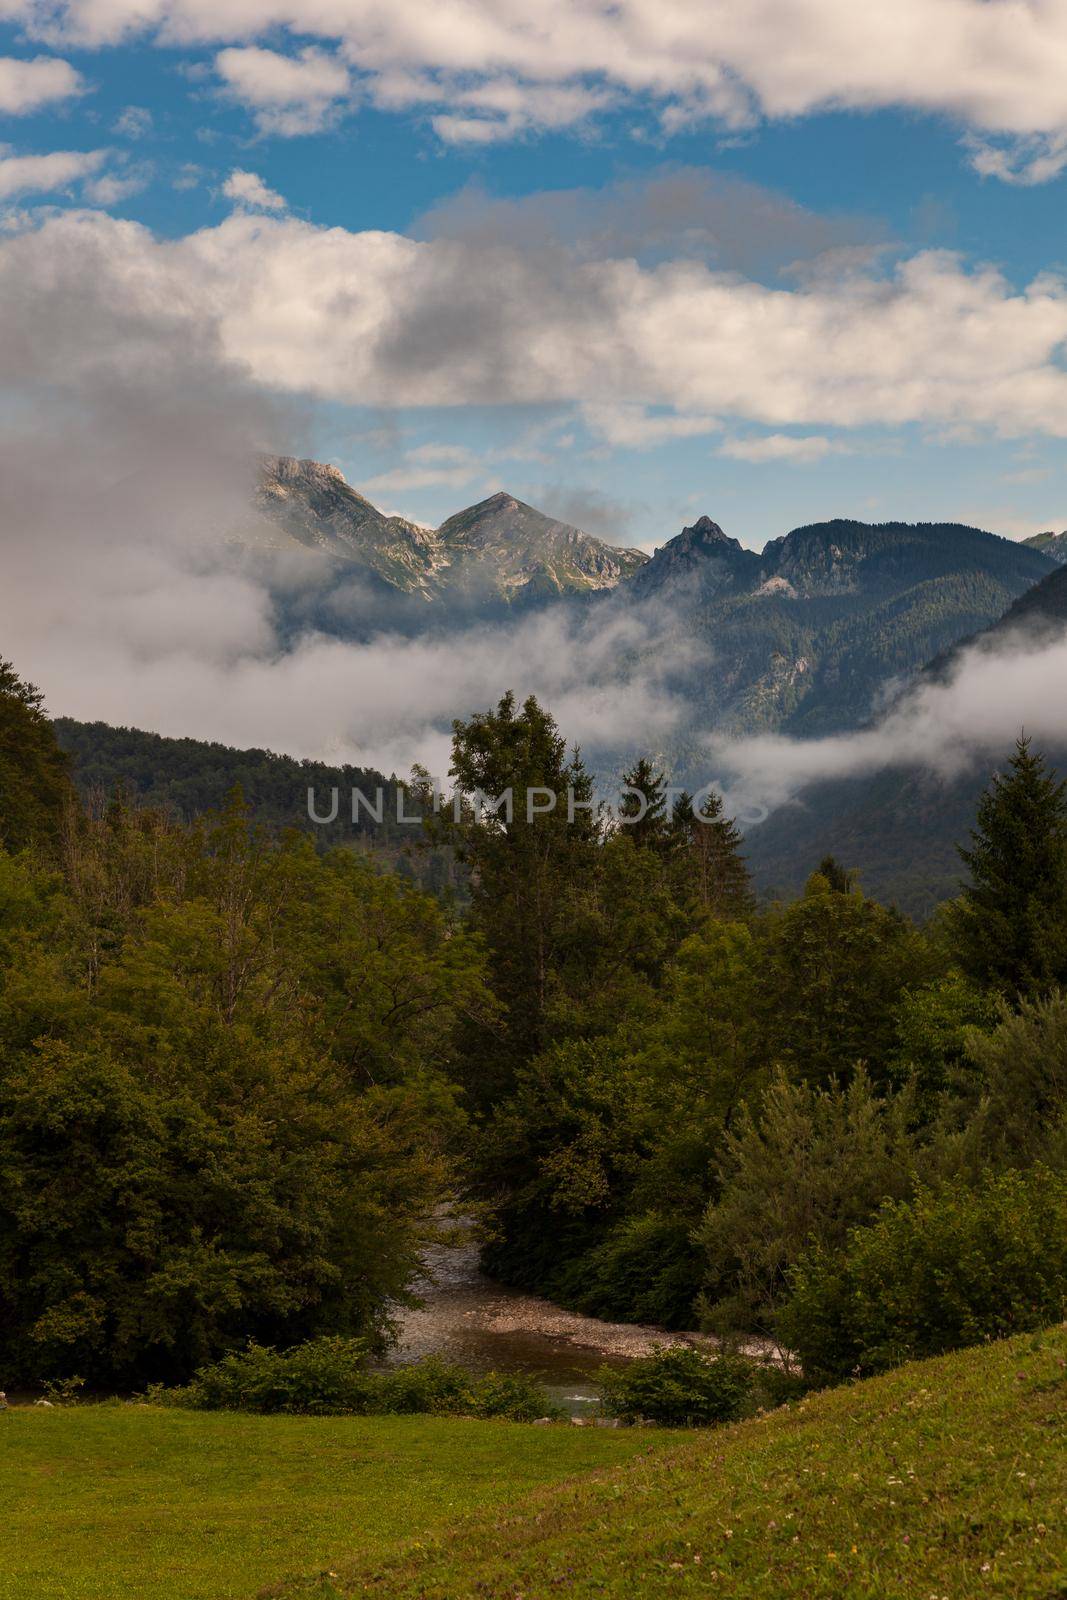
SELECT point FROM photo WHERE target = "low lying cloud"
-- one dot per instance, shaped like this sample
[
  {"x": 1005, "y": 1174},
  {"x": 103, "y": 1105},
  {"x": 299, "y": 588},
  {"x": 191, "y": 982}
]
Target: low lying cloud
[{"x": 995, "y": 689}]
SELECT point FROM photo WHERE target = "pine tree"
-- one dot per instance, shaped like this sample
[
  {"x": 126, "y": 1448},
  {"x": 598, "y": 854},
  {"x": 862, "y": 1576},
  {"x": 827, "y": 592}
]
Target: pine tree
[
  {"x": 709, "y": 867},
  {"x": 1011, "y": 923},
  {"x": 531, "y": 873},
  {"x": 650, "y": 830}
]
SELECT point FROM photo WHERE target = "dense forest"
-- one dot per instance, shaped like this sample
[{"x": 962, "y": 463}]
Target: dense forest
[{"x": 239, "y": 1074}]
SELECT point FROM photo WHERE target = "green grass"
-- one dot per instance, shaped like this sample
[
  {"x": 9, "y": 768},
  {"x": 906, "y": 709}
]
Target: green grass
[
  {"x": 137, "y": 1503},
  {"x": 945, "y": 1480}
]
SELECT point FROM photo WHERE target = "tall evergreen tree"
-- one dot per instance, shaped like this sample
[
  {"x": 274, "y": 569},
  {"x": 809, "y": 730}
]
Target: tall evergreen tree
[
  {"x": 532, "y": 865},
  {"x": 650, "y": 827},
  {"x": 709, "y": 868},
  {"x": 1011, "y": 923}
]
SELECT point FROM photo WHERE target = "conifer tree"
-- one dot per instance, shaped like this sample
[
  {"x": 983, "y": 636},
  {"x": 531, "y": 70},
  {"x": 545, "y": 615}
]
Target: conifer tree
[
  {"x": 1011, "y": 922},
  {"x": 709, "y": 867},
  {"x": 651, "y": 829},
  {"x": 531, "y": 871}
]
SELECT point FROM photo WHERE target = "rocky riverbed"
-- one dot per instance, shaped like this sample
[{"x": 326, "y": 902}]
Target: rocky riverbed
[{"x": 468, "y": 1318}]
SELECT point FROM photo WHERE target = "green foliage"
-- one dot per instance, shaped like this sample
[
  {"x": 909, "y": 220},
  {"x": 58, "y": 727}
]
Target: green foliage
[
  {"x": 225, "y": 1107},
  {"x": 949, "y": 1268},
  {"x": 809, "y": 1165},
  {"x": 645, "y": 1270},
  {"x": 330, "y": 1377},
  {"x": 1011, "y": 924},
  {"x": 837, "y": 966},
  {"x": 35, "y": 791},
  {"x": 681, "y": 1388},
  {"x": 936, "y": 1025},
  {"x": 1022, "y": 1071}
]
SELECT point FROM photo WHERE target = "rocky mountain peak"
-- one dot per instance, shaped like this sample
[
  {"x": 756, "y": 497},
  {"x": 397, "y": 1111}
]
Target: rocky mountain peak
[{"x": 704, "y": 531}]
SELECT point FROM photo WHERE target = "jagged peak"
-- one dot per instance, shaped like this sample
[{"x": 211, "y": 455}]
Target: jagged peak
[{"x": 704, "y": 529}]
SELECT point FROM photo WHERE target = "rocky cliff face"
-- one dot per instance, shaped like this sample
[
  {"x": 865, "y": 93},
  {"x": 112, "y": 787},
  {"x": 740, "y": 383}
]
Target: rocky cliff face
[
  {"x": 500, "y": 549},
  {"x": 1050, "y": 544}
]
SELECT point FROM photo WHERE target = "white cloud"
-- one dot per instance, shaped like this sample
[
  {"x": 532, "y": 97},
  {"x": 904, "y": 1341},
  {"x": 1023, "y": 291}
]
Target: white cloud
[
  {"x": 428, "y": 466},
  {"x": 994, "y": 690},
  {"x": 135, "y": 122},
  {"x": 26, "y": 86},
  {"x": 47, "y": 173},
  {"x": 996, "y": 66},
  {"x": 113, "y": 187},
  {"x": 635, "y": 427},
  {"x": 249, "y": 190},
  {"x": 380, "y": 319},
  {"x": 1024, "y": 161},
  {"x": 289, "y": 95},
  {"x": 783, "y": 447}
]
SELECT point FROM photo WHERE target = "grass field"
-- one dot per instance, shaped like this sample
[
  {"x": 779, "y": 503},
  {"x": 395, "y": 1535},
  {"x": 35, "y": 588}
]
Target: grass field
[
  {"x": 136, "y": 1503},
  {"x": 946, "y": 1480}
]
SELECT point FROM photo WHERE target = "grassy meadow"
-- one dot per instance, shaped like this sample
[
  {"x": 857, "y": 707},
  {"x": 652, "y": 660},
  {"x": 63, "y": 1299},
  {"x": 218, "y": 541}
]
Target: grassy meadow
[
  {"x": 99, "y": 1502},
  {"x": 944, "y": 1480}
]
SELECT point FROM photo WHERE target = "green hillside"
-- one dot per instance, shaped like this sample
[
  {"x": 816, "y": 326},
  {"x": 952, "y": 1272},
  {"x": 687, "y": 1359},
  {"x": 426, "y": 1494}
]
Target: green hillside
[{"x": 945, "y": 1478}]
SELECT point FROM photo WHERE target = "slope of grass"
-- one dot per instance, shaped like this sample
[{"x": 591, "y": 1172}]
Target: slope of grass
[
  {"x": 945, "y": 1480},
  {"x": 103, "y": 1502}
]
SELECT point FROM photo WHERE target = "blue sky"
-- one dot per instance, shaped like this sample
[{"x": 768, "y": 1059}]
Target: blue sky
[{"x": 805, "y": 200}]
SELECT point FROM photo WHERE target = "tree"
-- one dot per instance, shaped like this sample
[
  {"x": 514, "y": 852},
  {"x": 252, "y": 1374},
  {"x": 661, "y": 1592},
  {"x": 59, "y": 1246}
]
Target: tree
[
  {"x": 1011, "y": 922},
  {"x": 709, "y": 870},
  {"x": 650, "y": 828},
  {"x": 34, "y": 780},
  {"x": 808, "y": 1165},
  {"x": 836, "y": 966},
  {"x": 533, "y": 868}
]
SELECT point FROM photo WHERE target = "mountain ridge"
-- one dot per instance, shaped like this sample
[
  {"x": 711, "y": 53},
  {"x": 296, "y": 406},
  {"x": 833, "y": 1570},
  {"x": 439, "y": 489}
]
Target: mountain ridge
[{"x": 500, "y": 549}]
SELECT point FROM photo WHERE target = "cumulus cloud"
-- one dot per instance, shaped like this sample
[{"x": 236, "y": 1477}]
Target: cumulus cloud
[
  {"x": 46, "y": 173},
  {"x": 384, "y": 320},
  {"x": 289, "y": 95},
  {"x": 249, "y": 190},
  {"x": 995, "y": 67},
  {"x": 127, "y": 462},
  {"x": 26, "y": 86}
]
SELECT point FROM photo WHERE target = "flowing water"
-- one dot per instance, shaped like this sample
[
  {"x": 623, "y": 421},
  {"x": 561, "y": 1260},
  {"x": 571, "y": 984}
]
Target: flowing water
[{"x": 468, "y": 1318}]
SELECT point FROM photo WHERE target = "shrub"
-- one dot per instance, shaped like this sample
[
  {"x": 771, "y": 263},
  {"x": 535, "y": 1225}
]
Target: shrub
[
  {"x": 646, "y": 1270},
  {"x": 949, "y": 1268},
  {"x": 809, "y": 1165},
  {"x": 681, "y": 1388},
  {"x": 329, "y": 1377}
]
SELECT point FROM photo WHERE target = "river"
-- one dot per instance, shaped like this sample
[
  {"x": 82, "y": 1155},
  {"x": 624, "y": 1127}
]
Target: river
[{"x": 468, "y": 1318}]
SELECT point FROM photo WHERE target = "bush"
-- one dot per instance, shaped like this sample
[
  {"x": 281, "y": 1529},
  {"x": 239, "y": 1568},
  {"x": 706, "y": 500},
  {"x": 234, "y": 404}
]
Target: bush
[
  {"x": 681, "y": 1388},
  {"x": 646, "y": 1270},
  {"x": 950, "y": 1268},
  {"x": 329, "y": 1377}
]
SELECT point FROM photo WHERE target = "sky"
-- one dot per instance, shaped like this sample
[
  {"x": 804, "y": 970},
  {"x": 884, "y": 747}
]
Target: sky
[{"x": 631, "y": 262}]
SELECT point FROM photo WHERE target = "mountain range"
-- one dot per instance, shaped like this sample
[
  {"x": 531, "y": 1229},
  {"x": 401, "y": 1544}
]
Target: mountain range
[
  {"x": 804, "y": 637},
  {"x": 498, "y": 550}
]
